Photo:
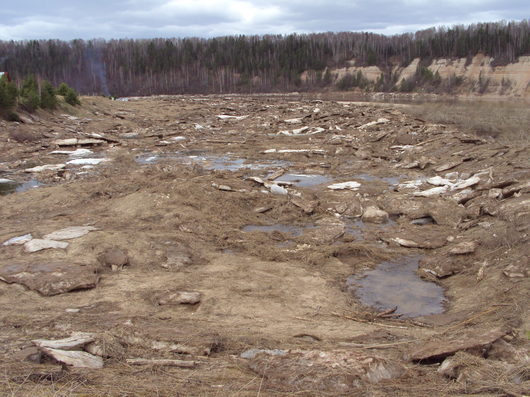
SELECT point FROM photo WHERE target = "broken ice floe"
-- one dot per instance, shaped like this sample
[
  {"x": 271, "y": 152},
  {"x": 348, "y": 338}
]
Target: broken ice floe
[
  {"x": 78, "y": 141},
  {"x": 351, "y": 185},
  {"x": 303, "y": 131},
  {"x": 87, "y": 161},
  {"x": 228, "y": 117},
  {"x": 402, "y": 148},
  {"x": 445, "y": 185},
  {"x": 293, "y": 121},
  {"x": 316, "y": 151},
  {"x": 451, "y": 182},
  {"x": 18, "y": 240},
  {"x": 273, "y": 187},
  {"x": 50, "y": 240},
  {"x": 374, "y": 123},
  {"x": 47, "y": 167},
  {"x": 74, "y": 153},
  {"x": 43, "y": 244},
  {"x": 70, "y": 233},
  {"x": 277, "y": 189},
  {"x": 411, "y": 184},
  {"x": 435, "y": 191},
  {"x": 178, "y": 138}
]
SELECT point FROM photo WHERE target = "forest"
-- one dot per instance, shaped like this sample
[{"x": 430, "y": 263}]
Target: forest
[{"x": 269, "y": 63}]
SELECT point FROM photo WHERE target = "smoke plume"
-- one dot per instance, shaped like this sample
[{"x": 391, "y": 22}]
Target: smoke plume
[{"x": 97, "y": 67}]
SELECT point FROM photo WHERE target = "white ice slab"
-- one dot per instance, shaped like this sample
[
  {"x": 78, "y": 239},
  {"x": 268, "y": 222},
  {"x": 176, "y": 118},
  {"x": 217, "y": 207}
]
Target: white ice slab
[
  {"x": 47, "y": 167},
  {"x": 351, "y": 185},
  {"x": 86, "y": 161},
  {"x": 74, "y": 153},
  {"x": 18, "y": 240}
]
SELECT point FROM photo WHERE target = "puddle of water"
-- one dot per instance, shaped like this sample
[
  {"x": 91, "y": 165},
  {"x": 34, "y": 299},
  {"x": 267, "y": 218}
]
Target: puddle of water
[
  {"x": 356, "y": 226},
  {"x": 17, "y": 187},
  {"x": 391, "y": 180},
  {"x": 7, "y": 186},
  {"x": 210, "y": 162},
  {"x": 395, "y": 283},
  {"x": 148, "y": 159},
  {"x": 304, "y": 180},
  {"x": 294, "y": 231},
  {"x": 222, "y": 163}
]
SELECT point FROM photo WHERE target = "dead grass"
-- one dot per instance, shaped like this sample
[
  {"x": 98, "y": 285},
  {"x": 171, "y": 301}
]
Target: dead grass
[
  {"x": 507, "y": 122},
  {"x": 478, "y": 375}
]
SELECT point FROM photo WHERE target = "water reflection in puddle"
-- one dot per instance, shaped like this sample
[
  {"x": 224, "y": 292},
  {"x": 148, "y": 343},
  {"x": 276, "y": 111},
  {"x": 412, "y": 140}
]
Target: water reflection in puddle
[
  {"x": 294, "y": 231},
  {"x": 391, "y": 180},
  {"x": 396, "y": 283},
  {"x": 304, "y": 180},
  {"x": 355, "y": 227},
  {"x": 210, "y": 162},
  {"x": 17, "y": 187}
]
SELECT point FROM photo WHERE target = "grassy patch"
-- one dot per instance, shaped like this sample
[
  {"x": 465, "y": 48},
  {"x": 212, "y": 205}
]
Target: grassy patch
[{"x": 504, "y": 121}]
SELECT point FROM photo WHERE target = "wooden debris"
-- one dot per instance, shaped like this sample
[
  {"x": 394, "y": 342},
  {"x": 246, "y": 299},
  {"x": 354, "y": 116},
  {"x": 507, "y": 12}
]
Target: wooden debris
[
  {"x": 390, "y": 313},
  {"x": 463, "y": 248},
  {"x": 436, "y": 351},
  {"x": 77, "y": 359},
  {"x": 75, "y": 342},
  {"x": 304, "y": 335},
  {"x": 307, "y": 206},
  {"x": 276, "y": 174},
  {"x": 448, "y": 166},
  {"x": 262, "y": 210},
  {"x": 360, "y": 320}
]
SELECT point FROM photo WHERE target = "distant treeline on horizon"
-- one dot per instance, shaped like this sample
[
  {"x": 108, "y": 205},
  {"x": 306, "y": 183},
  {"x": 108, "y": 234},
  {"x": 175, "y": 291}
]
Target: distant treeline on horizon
[{"x": 267, "y": 63}]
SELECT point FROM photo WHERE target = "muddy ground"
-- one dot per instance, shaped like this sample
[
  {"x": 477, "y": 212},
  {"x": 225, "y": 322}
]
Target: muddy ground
[{"x": 410, "y": 280}]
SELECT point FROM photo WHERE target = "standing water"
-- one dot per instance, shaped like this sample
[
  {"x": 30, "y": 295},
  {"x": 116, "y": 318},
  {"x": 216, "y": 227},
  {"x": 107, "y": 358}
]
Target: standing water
[
  {"x": 304, "y": 180},
  {"x": 396, "y": 283},
  {"x": 8, "y": 186}
]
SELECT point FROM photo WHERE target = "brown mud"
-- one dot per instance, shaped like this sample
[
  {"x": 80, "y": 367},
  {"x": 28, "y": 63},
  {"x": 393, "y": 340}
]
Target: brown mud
[{"x": 216, "y": 246}]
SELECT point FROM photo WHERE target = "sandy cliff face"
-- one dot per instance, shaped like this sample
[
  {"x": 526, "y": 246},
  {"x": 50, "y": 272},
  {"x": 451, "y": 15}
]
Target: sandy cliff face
[
  {"x": 479, "y": 75},
  {"x": 512, "y": 79}
]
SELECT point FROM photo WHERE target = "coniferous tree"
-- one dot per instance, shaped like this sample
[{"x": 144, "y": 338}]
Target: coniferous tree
[
  {"x": 29, "y": 94},
  {"x": 242, "y": 63},
  {"x": 48, "y": 100},
  {"x": 72, "y": 98},
  {"x": 62, "y": 89},
  {"x": 8, "y": 94}
]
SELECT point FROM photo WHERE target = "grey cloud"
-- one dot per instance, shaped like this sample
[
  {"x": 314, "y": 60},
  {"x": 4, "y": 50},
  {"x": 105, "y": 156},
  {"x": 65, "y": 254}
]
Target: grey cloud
[{"x": 28, "y": 19}]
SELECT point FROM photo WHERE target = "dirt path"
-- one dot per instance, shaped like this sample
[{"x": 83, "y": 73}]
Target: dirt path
[{"x": 223, "y": 224}]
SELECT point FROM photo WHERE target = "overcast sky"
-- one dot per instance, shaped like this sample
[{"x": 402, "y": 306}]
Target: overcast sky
[{"x": 67, "y": 19}]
